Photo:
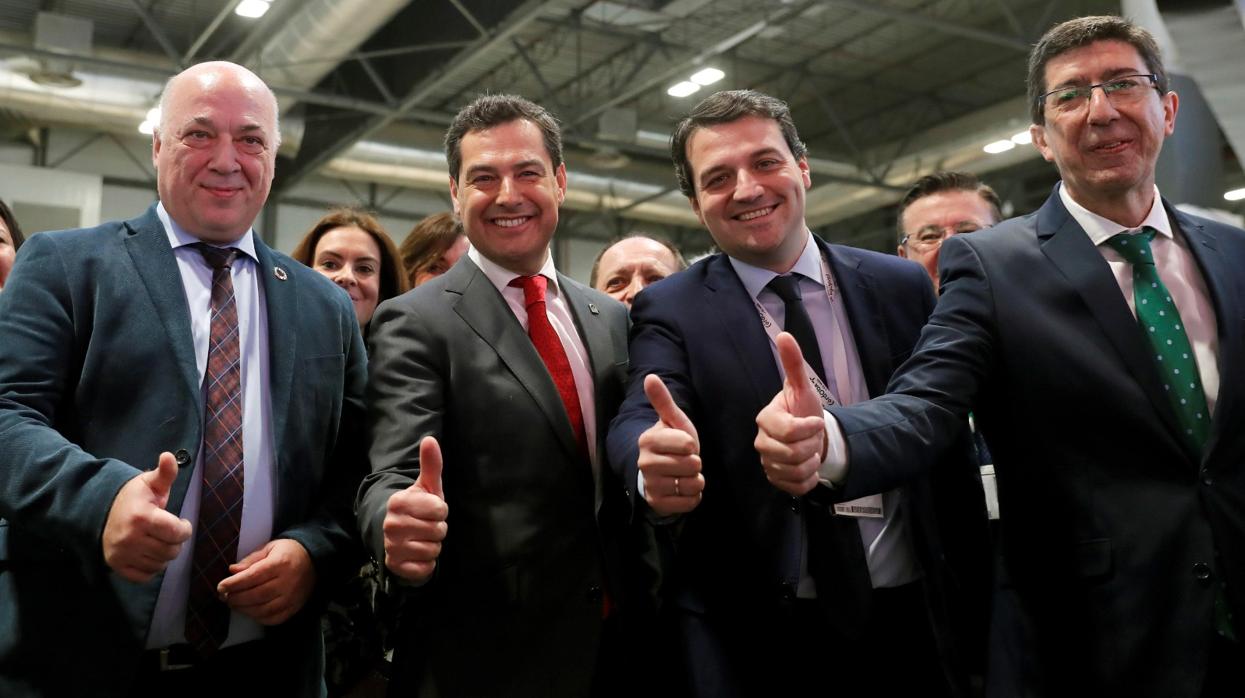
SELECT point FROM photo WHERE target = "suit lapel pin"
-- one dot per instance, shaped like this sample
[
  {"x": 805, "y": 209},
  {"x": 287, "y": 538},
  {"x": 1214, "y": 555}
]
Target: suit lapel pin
[
  {"x": 280, "y": 274},
  {"x": 592, "y": 308}
]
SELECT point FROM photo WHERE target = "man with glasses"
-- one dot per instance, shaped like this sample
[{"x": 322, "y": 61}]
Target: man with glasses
[
  {"x": 1099, "y": 343},
  {"x": 938, "y": 206}
]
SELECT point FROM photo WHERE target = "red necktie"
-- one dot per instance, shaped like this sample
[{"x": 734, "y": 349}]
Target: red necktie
[
  {"x": 549, "y": 346},
  {"x": 220, "y": 502}
]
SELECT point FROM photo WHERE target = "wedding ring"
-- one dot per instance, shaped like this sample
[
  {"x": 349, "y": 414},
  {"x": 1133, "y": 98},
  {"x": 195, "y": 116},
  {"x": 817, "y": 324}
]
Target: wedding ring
[{"x": 676, "y": 488}]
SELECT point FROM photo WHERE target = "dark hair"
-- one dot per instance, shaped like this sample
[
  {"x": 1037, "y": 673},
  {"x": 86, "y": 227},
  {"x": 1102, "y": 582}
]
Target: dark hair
[
  {"x": 723, "y": 108},
  {"x": 679, "y": 263},
  {"x": 15, "y": 230},
  {"x": 494, "y": 110},
  {"x": 392, "y": 278},
  {"x": 427, "y": 241},
  {"x": 1083, "y": 31},
  {"x": 939, "y": 182}
]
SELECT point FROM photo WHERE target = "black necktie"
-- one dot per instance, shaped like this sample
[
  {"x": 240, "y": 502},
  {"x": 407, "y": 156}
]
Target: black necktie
[{"x": 798, "y": 324}]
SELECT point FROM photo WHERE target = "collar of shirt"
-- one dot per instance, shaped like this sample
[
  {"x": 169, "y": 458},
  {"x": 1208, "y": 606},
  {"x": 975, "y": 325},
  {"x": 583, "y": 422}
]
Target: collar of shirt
[
  {"x": 1102, "y": 229},
  {"x": 178, "y": 237},
  {"x": 807, "y": 265},
  {"x": 501, "y": 276}
]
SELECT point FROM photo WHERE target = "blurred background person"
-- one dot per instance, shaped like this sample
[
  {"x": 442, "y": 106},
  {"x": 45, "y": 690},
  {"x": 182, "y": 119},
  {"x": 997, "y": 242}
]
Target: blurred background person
[
  {"x": 432, "y": 247},
  {"x": 11, "y": 238},
  {"x": 350, "y": 247},
  {"x": 938, "y": 206},
  {"x": 626, "y": 266}
]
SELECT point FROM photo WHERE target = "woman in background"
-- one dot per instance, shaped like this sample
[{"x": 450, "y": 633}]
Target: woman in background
[
  {"x": 350, "y": 247},
  {"x": 432, "y": 247},
  {"x": 11, "y": 238}
]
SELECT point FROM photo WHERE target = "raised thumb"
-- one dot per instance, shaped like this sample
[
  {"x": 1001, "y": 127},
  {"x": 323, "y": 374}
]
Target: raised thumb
[
  {"x": 802, "y": 400},
  {"x": 161, "y": 479},
  {"x": 430, "y": 467},
  {"x": 663, "y": 403}
]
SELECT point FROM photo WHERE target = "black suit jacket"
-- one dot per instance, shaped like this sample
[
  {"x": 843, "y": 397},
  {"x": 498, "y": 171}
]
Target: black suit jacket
[
  {"x": 515, "y": 604},
  {"x": 97, "y": 378},
  {"x": 1110, "y": 524},
  {"x": 736, "y": 557}
]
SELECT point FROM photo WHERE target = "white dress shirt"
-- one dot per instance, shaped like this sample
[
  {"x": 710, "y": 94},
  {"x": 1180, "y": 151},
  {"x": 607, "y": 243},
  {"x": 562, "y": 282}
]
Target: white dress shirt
[
  {"x": 564, "y": 324},
  {"x": 259, "y": 488},
  {"x": 887, "y": 542}
]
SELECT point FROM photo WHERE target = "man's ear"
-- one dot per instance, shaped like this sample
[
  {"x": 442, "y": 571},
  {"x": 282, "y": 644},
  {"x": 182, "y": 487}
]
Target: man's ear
[
  {"x": 1038, "y": 134},
  {"x": 454, "y": 198}
]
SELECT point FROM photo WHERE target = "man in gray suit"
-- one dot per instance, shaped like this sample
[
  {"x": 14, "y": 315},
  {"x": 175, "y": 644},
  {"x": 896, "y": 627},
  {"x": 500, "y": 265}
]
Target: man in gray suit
[
  {"x": 508, "y": 372},
  {"x": 173, "y": 399}
]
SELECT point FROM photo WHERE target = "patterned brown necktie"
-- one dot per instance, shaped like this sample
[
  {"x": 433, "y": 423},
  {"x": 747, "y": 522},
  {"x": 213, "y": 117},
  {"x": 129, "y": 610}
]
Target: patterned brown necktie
[{"x": 220, "y": 502}]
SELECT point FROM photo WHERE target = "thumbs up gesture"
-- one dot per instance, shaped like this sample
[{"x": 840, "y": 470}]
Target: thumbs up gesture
[
  {"x": 669, "y": 455},
  {"x": 140, "y": 537},
  {"x": 791, "y": 430},
  {"x": 415, "y": 519}
]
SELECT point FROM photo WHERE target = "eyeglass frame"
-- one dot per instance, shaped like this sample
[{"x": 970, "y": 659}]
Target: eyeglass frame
[
  {"x": 1089, "y": 89},
  {"x": 947, "y": 231}
]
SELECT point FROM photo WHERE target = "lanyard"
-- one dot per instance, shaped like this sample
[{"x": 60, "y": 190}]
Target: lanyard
[{"x": 838, "y": 350}]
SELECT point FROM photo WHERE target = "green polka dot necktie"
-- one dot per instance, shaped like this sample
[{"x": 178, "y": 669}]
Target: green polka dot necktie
[
  {"x": 1161, "y": 322},
  {"x": 1158, "y": 317}
]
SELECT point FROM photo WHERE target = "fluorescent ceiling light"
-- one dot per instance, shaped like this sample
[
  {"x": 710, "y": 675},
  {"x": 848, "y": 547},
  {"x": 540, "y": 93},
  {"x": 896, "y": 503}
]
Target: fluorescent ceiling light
[
  {"x": 153, "y": 115},
  {"x": 708, "y": 76},
  {"x": 147, "y": 128},
  {"x": 251, "y": 8},
  {"x": 1235, "y": 194},
  {"x": 682, "y": 89},
  {"x": 999, "y": 147},
  {"x": 1022, "y": 138}
]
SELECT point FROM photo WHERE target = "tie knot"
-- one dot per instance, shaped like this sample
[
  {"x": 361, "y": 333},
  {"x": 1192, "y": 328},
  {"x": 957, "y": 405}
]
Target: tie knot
[
  {"x": 217, "y": 257},
  {"x": 533, "y": 288},
  {"x": 1134, "y": 247},
  {"x": 787, "y": 287}
]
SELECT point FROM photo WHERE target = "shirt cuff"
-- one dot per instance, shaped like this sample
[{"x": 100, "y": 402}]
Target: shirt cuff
[
  {"x": 639, "y": 483},
  {"x": 833, "y": 468}
]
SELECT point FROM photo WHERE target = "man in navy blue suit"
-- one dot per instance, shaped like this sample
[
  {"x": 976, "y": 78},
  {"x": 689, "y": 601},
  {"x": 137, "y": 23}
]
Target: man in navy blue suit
[
  {"x": 1099, "y": 343},
  {"x": 767, "y": 583},
  {"x": 178, "y": 404}
]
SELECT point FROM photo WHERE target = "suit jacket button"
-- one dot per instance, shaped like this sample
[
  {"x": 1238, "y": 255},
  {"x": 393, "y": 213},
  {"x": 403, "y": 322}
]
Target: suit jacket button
[
  {"x": 1201, "y": 572},
  {"x": 182, "y": 456},
  {"x": 594, "y": 594},
  {"x": 795, "y": 504}
]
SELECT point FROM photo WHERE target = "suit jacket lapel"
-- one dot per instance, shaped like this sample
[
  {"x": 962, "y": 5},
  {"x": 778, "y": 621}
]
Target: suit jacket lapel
[
  {"x": 864, "y": 314},
  {"x": 1069, "y": 248},
  {"x": 1222, "y": 283},
  {"x": 487, "y": 313},
  {"x": 728, "y": 301},
  {"x": 281, "y": 301}
]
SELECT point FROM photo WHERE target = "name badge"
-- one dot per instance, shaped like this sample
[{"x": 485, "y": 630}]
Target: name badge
[{"x": 866, "y": 507}]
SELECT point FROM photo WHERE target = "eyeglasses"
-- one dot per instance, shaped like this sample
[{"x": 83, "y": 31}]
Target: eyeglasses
[
  {"x": 931, "y": 236},
  {"x": 1122, "y": 90}
]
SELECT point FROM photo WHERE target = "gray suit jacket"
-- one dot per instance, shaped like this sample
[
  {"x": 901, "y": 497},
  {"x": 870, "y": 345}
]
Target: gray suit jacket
[
  {"x": 514, "y": 607},
  {"x": 97, "y": 378}
]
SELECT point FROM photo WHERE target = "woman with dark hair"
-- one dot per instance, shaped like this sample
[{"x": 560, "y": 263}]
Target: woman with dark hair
[
  {"x": 350, "y": 247},
  {"x": 11, "y": 238},
  {"x": 432, "y": 247}
]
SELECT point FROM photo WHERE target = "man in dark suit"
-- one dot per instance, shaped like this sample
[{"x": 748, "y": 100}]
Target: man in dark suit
[
  {"x": 174, "y": 397},
  {"x": 766, "y": 583},
  {"x": 1099, "y": 343},
  {"x": 506, "y": 371}
]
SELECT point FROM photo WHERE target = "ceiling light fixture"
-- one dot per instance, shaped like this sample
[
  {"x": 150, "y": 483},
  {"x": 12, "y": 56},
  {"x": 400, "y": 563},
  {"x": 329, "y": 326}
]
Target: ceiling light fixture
[
  {"x": 252, "y": 9},
  {"x": 682, "y": 89},
  {"x": 708, "y": 76},
  {"x": 1235, "y": 194},
  {"x": 1022, "y": 138},
  {"x": 999, "y": 147}
]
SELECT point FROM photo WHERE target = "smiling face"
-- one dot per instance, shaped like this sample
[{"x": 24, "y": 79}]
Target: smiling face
[
  {"x": 351, "y": 258},
  {"x": 1106, "y": 152},
  {"x": 750, "y": 191},
  {"x": 630, "y": 265},
  {"x": 508, "y": 193},
  {"x": 215, "y": 150}
]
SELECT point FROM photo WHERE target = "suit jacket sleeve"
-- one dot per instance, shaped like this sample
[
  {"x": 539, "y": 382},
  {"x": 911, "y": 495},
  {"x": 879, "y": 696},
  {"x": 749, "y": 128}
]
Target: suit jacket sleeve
[
  {"x": 902, "y": 434},
  {"x": 47, "y": 483},
  {"x": 405, "y": 404}
]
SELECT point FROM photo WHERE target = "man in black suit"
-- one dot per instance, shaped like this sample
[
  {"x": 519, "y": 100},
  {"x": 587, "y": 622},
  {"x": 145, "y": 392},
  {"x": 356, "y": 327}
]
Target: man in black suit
[
  {"x": 507, "y": 371},
  {"x": 1099, "y": 343},
  {"x": 767, "y": 581},
  {"x": 178, "y": 403}
]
